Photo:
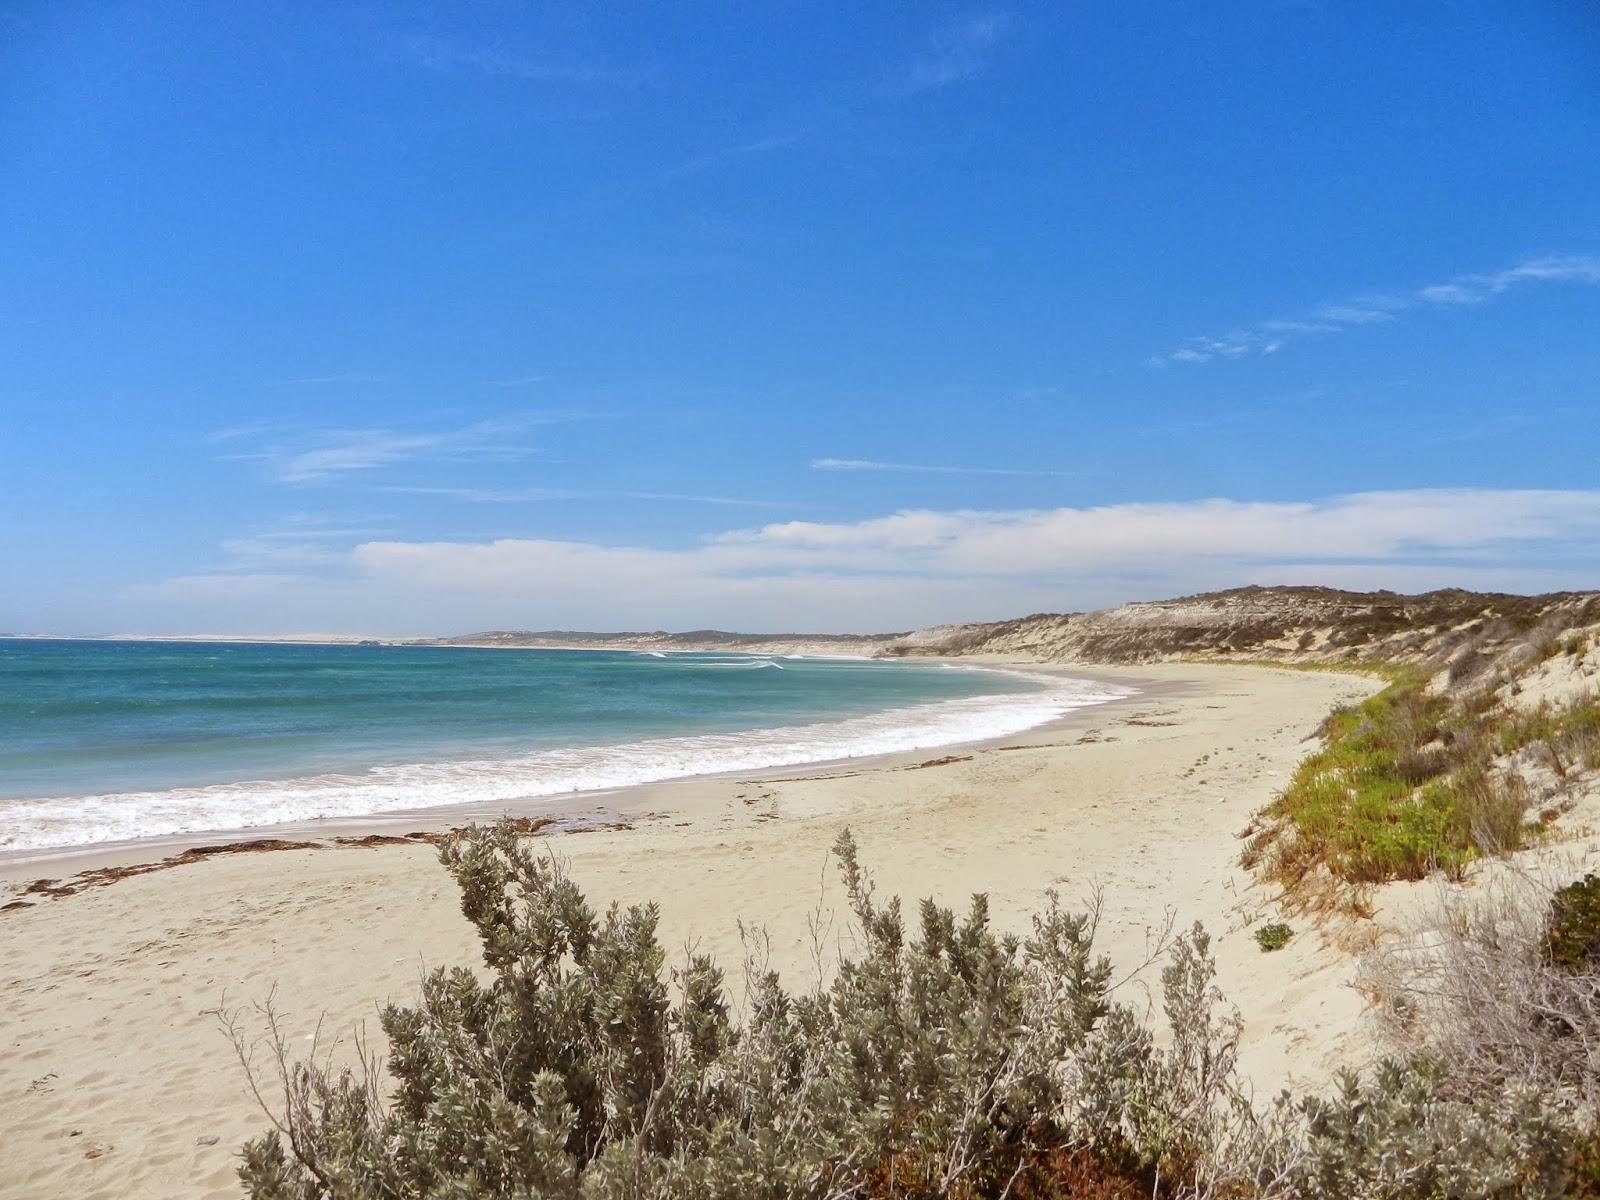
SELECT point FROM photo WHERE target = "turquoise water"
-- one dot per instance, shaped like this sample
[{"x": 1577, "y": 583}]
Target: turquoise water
[{"x": 108, "y": 741}]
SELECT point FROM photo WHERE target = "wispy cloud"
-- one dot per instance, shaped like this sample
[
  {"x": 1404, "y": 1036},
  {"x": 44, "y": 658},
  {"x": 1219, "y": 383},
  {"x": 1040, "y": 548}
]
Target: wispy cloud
[
  {"x": 1506, "y": 424},
  {"x": 705, "y": 160},
  {"x": 694, "y": 163},
  {"x": 300, "y": 541},
  {"x": 441, "y": 54},
  {"x": 319, "y": 456},
  {"x": 1268, "y": 337},
  {"x": 348, "y": 533},
  {"x": 1400, "y": 525},
  {"x": 953, "y": 53},
  {"x": 365, "y": 449},
  {"x": 1475, "y": 289},
  {"x": 870, "y": 464},
  {"x": 256, "y": 553},
  {"x": 234, "y": 433}
]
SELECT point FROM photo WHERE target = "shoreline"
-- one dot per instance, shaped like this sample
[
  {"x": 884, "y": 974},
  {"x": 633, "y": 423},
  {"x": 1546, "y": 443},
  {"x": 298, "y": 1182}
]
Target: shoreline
[
  {"x": 620, "y": 644},
  {"x": 108, "y": 1048},
  {"x": 433, "y": 817}
]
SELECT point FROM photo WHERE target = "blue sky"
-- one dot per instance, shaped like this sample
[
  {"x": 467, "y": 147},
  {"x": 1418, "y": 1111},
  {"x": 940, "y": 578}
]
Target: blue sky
[{"x": 425, "y": 318}]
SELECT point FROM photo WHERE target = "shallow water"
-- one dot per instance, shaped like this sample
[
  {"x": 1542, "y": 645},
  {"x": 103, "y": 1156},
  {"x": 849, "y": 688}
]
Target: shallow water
[{"x": 105, "y": 741}]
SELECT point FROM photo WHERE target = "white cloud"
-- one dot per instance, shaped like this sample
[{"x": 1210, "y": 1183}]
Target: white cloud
[
  {"x": 358, "y": 450},
  {"x": 1335, "y": 315},
  {"x": 1373, "y": 525},
  {"x": 1267, "y": 337},
  {"x": 907, "y": 568}
]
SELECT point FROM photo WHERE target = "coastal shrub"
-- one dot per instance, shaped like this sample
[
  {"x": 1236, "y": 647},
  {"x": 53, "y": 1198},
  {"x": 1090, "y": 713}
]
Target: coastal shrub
[
  {"x": 1354, "y": 808},
  {"x": 1577, "y": 738},
  {"x": 1503, "y": 984},
  {"x": 1405, "y": 784},
  {"x": 951, "y": 1061},
  {"x": 1464, "y": 668},
  {"x": 1572, "y": 940},
  {"x": 1401, "y": 1136},
  {"x": 1434, "y": 772},
  {"x": 946, "y": 1062},
  {"x": 1273, "y": 936}
]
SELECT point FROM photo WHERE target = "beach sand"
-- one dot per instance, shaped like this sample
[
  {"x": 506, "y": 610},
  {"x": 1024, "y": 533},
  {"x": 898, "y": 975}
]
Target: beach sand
[{"x": 115, "y": 1080}]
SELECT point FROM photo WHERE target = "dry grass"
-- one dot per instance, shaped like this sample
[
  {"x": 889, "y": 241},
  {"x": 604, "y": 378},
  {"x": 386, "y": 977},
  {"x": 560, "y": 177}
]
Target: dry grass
[{"x": 1472, "y": 983}]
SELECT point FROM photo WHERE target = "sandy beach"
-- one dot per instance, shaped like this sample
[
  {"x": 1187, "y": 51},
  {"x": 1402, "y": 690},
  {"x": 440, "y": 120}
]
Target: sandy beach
[{"x": 117, "y": 1082}]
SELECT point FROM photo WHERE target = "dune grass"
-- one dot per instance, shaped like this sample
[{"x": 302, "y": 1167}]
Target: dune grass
[{"x": 1568, "y": 736}]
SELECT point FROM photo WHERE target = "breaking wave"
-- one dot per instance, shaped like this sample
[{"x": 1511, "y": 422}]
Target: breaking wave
[{"x": 75, "y": 820}]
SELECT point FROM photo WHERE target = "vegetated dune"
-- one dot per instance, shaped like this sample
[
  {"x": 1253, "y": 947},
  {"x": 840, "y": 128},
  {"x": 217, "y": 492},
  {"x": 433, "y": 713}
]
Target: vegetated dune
[
  {"x": 1300, "y": 625},
  {"x": 1305, "y": 625}
]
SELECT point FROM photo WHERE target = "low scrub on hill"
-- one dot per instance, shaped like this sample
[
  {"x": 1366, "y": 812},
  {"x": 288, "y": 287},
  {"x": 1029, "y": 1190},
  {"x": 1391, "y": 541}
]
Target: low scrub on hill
[
  {"x": 948, "y": 1062},
  {"x": 1402, "y": 786},
  {"x": 1297, "y": 624},
  {"x": 1420, "y": 778}
]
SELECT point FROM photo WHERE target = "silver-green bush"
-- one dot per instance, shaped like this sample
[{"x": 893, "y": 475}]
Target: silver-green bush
[{"x": 953, "y": 1062}]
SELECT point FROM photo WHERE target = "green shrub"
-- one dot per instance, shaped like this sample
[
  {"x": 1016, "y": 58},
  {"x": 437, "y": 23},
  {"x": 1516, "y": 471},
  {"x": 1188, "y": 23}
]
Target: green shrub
[
  {"x": 1274, "y": 936},
  {"x": 1572, "y": 940},
  {"x": 1406, "y": 784},
  {"x": 1374, "y": 803}
]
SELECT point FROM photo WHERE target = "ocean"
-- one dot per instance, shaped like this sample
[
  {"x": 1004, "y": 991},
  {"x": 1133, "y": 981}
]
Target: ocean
[{"x": 115, "y": 740}]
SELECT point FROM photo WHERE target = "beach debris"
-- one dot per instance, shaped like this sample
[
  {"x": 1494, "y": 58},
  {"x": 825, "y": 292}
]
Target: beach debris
[
  {"x": 941, "y": 762},
  {"x": 97, "y": 877},
  {"x": 387, "y": 839}
]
